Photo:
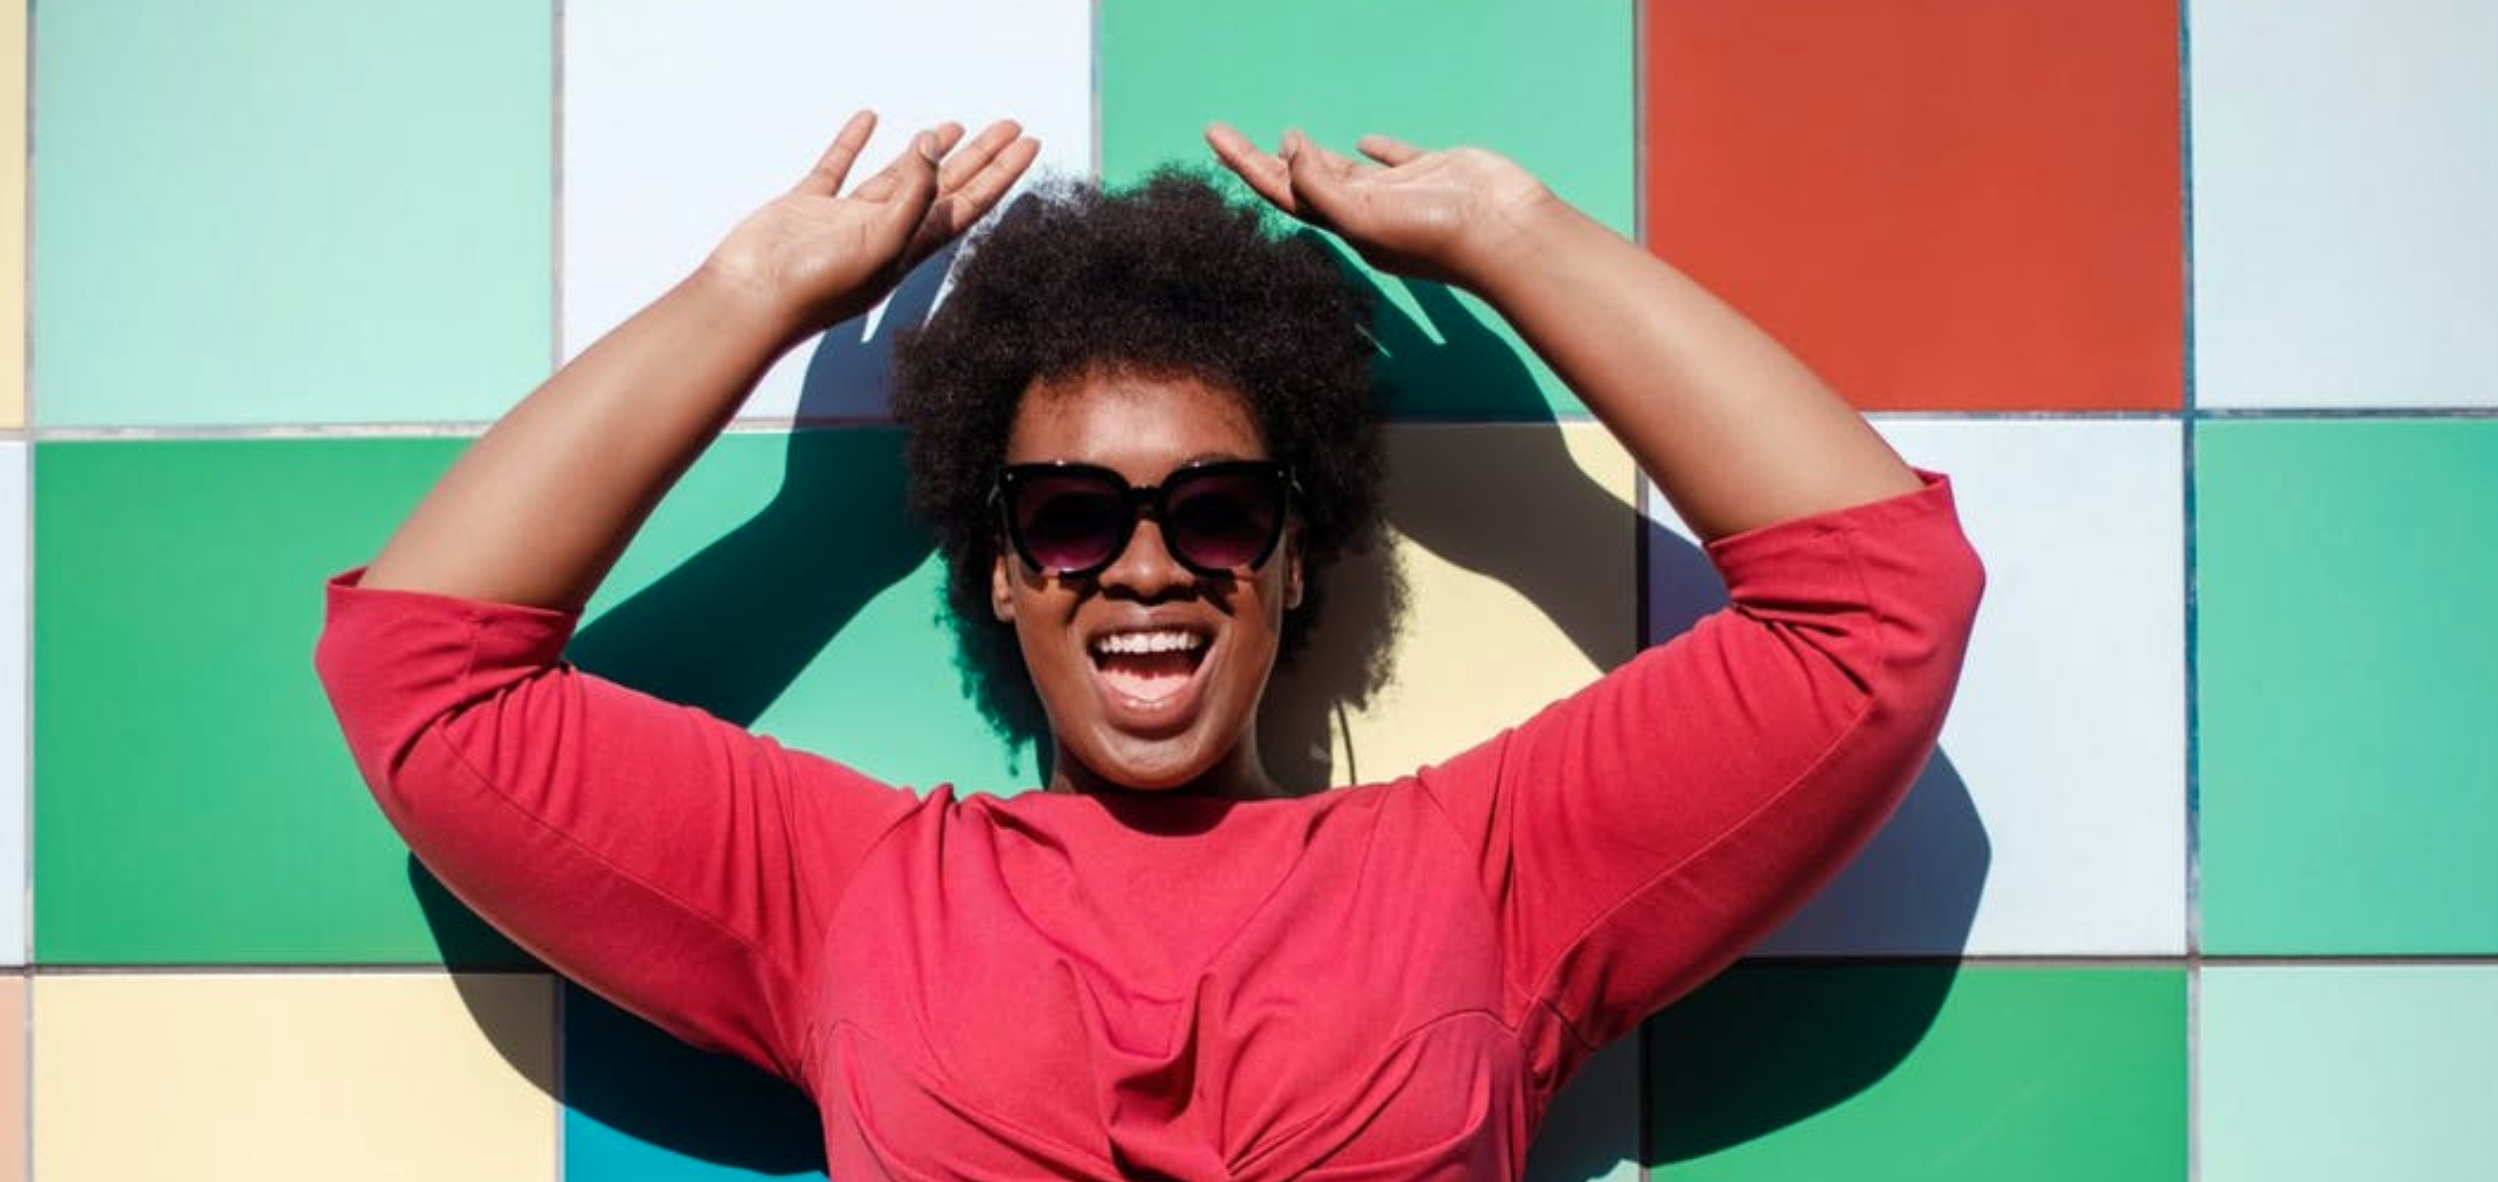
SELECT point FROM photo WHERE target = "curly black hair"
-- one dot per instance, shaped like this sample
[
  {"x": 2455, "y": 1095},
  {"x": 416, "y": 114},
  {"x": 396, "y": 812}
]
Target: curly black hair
[{"x": 1167, "y": 278}]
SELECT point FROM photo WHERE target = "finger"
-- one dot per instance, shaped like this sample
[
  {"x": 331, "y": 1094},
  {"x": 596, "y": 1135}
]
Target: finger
[
  {"x": 966, "y": 161},
  {"x": 915, "y": 167},
  {"x": 953, "y": 213},
  {"x": 1266, "y": 174},
  {"x": 1387, "y": 149},
  {"x": 833, "y": 167}
]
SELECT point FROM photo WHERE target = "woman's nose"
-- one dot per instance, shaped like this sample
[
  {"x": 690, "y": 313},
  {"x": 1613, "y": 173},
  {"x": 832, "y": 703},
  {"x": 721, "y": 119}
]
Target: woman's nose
[{"x": 1145, "y": 567}]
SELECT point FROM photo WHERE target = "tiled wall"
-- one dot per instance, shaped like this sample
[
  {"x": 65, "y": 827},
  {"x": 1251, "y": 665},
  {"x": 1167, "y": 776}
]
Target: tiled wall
[{"x": 2201, "y": 880}]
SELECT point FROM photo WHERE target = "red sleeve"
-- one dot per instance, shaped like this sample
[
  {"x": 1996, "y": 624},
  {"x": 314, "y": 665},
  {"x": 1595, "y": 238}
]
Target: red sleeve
[
  {"x": 1637, "y": 836},
  {"x": 676, "y": 864}
]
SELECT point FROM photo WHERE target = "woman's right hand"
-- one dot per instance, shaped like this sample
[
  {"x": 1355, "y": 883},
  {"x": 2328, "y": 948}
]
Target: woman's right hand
[{"x": 816, "y": 256}]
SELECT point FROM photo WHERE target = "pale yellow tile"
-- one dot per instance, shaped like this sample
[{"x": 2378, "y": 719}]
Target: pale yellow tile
[
  {"x": 271, "y": 1078},
  {"x": 13, "y": 217},
  {"x": 1518, "y": 545},
  {"x": 12, "y": 1079}
]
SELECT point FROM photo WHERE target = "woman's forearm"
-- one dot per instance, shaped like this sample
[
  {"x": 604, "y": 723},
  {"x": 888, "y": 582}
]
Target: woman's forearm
[
  {"x": 1735, "y": 431},
  {"x": 538, "y": 510}
]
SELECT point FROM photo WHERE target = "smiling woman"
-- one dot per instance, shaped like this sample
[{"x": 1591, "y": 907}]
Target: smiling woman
[{"x": 1140, "y": 432}]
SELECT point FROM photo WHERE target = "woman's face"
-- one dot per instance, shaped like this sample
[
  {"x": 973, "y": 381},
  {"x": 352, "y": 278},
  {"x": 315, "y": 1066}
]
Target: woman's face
[{"x": 1151, "y": 673}]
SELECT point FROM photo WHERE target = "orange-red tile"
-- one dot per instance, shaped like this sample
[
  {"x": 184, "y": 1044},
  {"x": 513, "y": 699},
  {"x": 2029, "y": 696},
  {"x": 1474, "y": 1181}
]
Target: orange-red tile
[{"x": 1941, "y": 204}]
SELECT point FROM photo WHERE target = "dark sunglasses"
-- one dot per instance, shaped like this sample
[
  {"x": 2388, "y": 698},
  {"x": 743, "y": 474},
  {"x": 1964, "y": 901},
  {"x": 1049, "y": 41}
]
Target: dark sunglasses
[{"x": 1073, "y": 520}]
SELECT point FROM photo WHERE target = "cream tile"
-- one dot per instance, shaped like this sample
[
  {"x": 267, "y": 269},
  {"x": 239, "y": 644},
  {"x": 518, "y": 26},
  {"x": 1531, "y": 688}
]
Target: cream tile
[
  {"x": 12, "y": 1078},
  {"x": 265, "y": 1078},
  {"x": 1517, "y": 547},
  {"x": 678, "y": 119}
]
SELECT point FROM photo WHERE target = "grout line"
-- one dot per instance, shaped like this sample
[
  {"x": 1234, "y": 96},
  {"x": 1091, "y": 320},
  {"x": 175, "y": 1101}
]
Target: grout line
[
  {"x": 2190, "y": 399},
  {"x": 556, "y": 191},
  {"x": 1645, "y": 1136},
  {"x": 1093, "y": 67},
  {"x": 269, "y": 968},
  {"x": 780, "y": 423}
]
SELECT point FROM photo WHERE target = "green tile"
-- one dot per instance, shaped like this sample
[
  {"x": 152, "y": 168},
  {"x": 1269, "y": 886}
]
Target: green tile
[
  {"x": 1550, "y": 85},
  {"x": 290, "y": 210},
  {"x": 193, "y": 801},
  {"x": 2348, "y": 1071},
  {"x": 2347, "y": 758},
  {"x": 1924, "y": 1072}
]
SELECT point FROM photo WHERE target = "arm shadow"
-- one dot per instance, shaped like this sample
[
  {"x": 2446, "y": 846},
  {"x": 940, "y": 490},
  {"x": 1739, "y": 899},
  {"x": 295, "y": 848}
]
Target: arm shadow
[{"x": 1768, "y": 1044}]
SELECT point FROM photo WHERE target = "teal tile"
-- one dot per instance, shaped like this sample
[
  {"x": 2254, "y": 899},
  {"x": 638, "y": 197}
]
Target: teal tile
[
  {"x": 290, "y": 211},
  {"x": 2346, "y": 758},
  {"x": 193, "y": 801},
  {"x": 1924, "y": 1072},
  {"x": 2332, "y": 1072},
  {"x": 1550, "y": 85},
  {"x": 639, "y": 1106}
]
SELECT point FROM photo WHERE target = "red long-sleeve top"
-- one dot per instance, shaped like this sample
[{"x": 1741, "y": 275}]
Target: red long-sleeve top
[{"x": 1387, "y": 981}]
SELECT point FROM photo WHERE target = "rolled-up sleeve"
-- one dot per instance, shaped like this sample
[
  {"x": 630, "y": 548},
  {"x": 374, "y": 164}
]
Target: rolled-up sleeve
[
  {"x": 1635, "y": 837},
  {"x": 675, "y": 863}
]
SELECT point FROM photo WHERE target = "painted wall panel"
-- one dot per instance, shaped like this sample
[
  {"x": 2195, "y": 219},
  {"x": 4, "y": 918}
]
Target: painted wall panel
[
  {"x": 359, "y": 232},
  {"x": 2344, "y": 168},
  {"x": 2346, "y": 753},
  {"x": 196, "y": 803},
  {"x": 13, "y": 704},
  {"x": 681, "y": 119},
  {"x": 273, "y": 1078},
  {"x": 14, "y": 1092},
  {"x": 13, "y": 183},
  {"x": 1922, "y": 1071},
  {"x": 2053, "y": 820},
  {"x": 1550, "y": 86},
  {"x": 206, "y": 811},
  {"x": 2314, "y": 1072},
  {"x": 1517, "y": 550},
  {"x": 1941, "y": 203}
]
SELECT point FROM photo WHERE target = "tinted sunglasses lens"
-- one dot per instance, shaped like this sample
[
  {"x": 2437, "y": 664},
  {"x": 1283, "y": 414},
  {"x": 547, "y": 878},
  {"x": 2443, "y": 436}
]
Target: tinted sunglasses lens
[
  {"x": 1069, "y": 521},
  {"x": 1223, "y": 520}
]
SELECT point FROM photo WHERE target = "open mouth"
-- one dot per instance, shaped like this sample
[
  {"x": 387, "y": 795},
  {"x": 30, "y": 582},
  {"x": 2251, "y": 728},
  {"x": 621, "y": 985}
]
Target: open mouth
[{"x": 1148, "y": 667}]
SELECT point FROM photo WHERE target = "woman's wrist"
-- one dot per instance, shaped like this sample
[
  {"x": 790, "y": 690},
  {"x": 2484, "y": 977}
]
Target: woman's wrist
[{"x": 742, "y": 307}]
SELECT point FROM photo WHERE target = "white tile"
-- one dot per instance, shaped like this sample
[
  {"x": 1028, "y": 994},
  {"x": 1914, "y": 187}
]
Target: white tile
[
  {"x": 678, "y": 119},
  {"x": 2344, "y": 168},
  {"x": 13, "y": 675},
  {"x": 2053, "y": 821}
]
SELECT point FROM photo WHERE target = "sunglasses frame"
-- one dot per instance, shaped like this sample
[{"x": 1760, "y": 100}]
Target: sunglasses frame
[{"x": 1138, "y": 503}]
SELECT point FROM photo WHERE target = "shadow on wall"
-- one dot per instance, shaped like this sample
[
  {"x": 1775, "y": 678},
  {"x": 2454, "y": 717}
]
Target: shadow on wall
[{"x": 1746, "y": 1055}]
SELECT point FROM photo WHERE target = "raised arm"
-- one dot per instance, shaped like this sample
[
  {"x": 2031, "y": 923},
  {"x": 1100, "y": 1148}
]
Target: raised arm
[
  {"x": 538, "y": 510},
  {"x": 1733, "y": 429}
]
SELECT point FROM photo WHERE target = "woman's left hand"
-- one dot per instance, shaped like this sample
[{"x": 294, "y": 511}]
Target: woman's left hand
[{"x": 1446, "y": 215}]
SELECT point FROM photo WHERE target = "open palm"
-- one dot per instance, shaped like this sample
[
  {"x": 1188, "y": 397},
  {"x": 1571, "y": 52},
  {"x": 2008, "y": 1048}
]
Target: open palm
[
  {"x": 1421, "y": 213},
  {"x": 822, "y": 255}
]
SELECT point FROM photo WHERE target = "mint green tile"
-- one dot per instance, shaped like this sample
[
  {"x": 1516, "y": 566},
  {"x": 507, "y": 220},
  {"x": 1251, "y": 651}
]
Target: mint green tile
[
  {"x": 1922, "y": 1072},
  {"x": 290, "y": 210},
  {"x": 193, "y": 801},
  {"x": 2333, "y": 1072},
  {"x": 2347, "y": 760},
  {"x": 1550, "y": 85}
]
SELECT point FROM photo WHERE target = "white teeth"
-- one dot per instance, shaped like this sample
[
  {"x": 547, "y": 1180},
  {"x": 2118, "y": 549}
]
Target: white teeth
[{"x": 1149, "y": 642}]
